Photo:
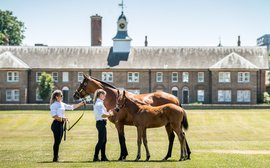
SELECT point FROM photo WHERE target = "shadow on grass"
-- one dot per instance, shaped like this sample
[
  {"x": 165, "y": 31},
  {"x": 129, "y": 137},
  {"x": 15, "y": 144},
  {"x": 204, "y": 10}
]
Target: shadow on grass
[{"x": 90, "y": 161}]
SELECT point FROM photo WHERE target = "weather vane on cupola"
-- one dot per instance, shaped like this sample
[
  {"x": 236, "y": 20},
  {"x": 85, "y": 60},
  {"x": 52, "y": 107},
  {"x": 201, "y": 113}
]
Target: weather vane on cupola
[{"x": 122, "y": 5}]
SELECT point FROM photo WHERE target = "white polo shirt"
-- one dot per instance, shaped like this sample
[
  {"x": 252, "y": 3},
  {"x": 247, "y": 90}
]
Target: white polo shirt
[
  {"x": 58, "y": 108},
  {"x": 99, "y": 109}
]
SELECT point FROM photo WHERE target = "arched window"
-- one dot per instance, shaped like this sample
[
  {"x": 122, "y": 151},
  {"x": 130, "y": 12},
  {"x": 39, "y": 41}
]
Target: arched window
[
  {"x": 185, "y": 93},
  {"x": 65, "y": 91},
  {"x": 175, "y": 91}
]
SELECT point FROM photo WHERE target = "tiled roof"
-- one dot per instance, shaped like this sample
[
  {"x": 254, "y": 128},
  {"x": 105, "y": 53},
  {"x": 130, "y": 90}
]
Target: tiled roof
[
  {"x": 233, "y": 61},
  {"x": 140, "y": 57},
  {"x": 9, "y": 61}
]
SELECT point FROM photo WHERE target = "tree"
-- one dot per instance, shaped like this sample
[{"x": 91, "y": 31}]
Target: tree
[
  {"x": 11, "y": 29},
  {"x": 46, "y": 85}
]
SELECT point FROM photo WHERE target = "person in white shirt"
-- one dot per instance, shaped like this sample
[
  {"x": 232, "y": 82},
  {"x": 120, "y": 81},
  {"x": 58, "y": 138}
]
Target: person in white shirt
[
  {"x": 58, "y": 108},
  {"x": 101, "y": 115}
]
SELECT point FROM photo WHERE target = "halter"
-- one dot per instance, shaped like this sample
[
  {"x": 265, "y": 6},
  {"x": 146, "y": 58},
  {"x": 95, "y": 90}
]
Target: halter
[
  {"x": 83, "y": 86},
  {"x": 118, "y": 106}
]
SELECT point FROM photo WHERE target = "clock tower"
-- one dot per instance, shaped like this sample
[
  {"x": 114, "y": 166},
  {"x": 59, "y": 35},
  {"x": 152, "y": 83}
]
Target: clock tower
[{"x": 121, "y": 42}]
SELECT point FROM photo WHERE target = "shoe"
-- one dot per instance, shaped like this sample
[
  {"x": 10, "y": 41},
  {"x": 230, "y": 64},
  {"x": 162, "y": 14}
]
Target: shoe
[
  {"x": 96, "y": 159},
  {"x": 105, "y": 159}
]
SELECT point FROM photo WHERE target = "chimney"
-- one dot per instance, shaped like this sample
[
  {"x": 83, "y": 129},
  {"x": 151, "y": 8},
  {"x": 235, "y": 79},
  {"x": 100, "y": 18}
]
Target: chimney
[
  {"x": 238, "y": 42},
  {"x": 96, "y": 30},
  {"x": 145, "y": 42}
]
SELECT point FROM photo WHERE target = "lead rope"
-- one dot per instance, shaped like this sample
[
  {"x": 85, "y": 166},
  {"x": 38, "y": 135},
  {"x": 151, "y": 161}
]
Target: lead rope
[{"x": 67, "y": 126}]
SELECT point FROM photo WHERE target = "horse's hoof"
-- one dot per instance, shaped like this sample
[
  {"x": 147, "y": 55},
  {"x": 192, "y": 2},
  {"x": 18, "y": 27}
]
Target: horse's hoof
[
  {"x": 166, "y": 158},
  {"x": 181, "y": 159},
  {"x": 122, "y": 158},
  {"x": 147, "y": 158}
]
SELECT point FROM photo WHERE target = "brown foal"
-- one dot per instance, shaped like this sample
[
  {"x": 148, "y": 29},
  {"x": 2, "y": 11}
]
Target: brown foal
[{"x": 146, "y": 116}]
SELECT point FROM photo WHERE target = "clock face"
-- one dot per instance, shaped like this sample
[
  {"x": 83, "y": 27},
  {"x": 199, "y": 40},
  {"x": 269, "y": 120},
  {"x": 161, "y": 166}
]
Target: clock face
[{"x": 122, "y": 25}]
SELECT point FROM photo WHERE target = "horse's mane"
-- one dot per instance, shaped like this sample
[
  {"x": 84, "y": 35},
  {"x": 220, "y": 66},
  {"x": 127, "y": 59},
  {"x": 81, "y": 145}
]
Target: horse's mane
[{"x": 104, "y": 83}]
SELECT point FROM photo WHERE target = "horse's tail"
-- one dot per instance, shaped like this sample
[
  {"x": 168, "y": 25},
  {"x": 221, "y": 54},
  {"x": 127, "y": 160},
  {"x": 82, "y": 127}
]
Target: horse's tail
[{"x": 185, "y": 121}]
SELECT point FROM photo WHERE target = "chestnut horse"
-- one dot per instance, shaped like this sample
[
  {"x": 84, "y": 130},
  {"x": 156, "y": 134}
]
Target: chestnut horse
[
  {"x": 89, "y": 85},
  {"x": 145, "y": 116}
]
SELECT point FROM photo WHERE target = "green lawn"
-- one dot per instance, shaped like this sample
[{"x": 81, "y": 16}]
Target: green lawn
[{"x": 217, "y": 138}]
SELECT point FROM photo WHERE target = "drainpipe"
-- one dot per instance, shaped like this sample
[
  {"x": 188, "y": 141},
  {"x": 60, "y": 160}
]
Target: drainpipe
[
  {"x": 210, "y": 87},
  {"x": 28, "y": 85},
  {"x": 150, "y": 83}
]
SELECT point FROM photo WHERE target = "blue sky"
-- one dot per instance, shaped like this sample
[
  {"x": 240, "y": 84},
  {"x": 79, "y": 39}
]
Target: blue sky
[{"x": 165, "y": 22}]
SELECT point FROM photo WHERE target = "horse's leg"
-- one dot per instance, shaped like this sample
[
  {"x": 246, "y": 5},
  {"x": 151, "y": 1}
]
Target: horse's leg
[
  {"x": 146, "y": 145},
  {"x": 178, "y": 130},
  {"x": 187, "y": 147},
  {"x": 122, "y": 140},
  {"x": 171, "y": 136},
  {"x": 139, "y": 142}
]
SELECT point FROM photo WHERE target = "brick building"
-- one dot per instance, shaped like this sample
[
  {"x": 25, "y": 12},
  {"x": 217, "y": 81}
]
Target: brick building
[{"x": 211, "y": 75}]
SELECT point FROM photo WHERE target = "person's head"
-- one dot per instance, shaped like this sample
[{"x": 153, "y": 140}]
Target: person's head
[
  {"x": 100, "y": 93},
  {"x": 57, "y": 95}
]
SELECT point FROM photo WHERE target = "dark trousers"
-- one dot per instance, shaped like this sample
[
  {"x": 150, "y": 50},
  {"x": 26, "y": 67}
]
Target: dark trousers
[
  {"x": 57, "y": 129},
  {"x": 102, "y": 139}
]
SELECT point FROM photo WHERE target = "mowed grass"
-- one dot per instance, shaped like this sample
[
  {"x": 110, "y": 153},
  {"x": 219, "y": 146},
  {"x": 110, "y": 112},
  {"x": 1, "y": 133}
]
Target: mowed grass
[{"x": 217, "y": 138}]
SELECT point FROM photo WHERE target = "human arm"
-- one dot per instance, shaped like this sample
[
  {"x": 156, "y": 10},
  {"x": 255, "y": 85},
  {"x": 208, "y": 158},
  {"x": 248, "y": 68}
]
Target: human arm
[
  {"x": 74, "y": 106},
  {"x": 107, "y": 114}
]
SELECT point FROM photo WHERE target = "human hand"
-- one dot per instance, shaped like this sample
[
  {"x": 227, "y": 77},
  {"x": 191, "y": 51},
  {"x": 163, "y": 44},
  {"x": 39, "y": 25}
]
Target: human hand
[
  {"x": 110, "y": 112},
  {"x": 65, "y": 119},
  {"x": 83, "y": 102}
]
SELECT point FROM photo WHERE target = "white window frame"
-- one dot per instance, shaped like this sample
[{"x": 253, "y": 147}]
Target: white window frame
[
  {"x": 174, "y": 77},
  {"x": 133, "y": 77},
  {"x": 224, "y": 95},
  {"x": 224, "y": 77},
  {"x": 55, "y": 76},
  {"x": 38, "y": 98},
  {"x": 107, "y": 76},
  {"x": 65, "y": 77},
  {"x": 200, "y": 95},
  {"x": 38, "y": 74},
  {"x": 13, "y": 76},
  {"x": 243, "y": 96},
  {"x": 200, "y": 77},
  {"x": 185, "y": 77},
  {"x": 12, "y": 95},
  {"x": 243, "y": 77},
  {"x": 159, "y": 77},
  {"x": 80, "y": 77}
]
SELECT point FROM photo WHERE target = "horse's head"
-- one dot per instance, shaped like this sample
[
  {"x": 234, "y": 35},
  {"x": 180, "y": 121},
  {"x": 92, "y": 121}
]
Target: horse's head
[
  {"x": 85, "y": 88},
  {"x": 120, "y": 100}
]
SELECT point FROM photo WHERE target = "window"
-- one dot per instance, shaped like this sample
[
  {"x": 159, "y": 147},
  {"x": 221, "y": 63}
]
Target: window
[
  {"x": 65, "y": 77},
  {"x": 38, "y": 98},
  {"x": 159, "y": 77},
  {"x": 80, "y": 76},
  {"x": 175, "y": 91},
  {"x": 243, "y": 77},
  {"x": 107, "y": 76},
  {"x": 12, "y": 95},
  {"x": 55, "y": 76},
  {"x": 224, "y": 96},
  {"x": 38, "y": 74},
  {"x": 185, "y": 76},
  {"x": 133, "y": 76},
  {"x": 12, "y": 76},
  {"x": 243, "y": 95},
  {"x": 175, "y": 77},
  {"x": 200, "y": 77},
  {"x": 200, "y": 95},
  {"x": 224, "y": 77}
]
